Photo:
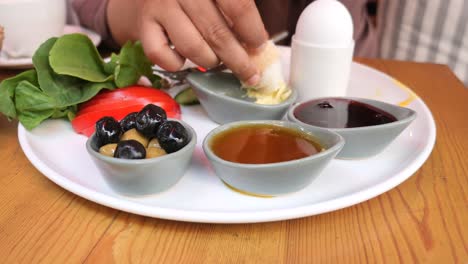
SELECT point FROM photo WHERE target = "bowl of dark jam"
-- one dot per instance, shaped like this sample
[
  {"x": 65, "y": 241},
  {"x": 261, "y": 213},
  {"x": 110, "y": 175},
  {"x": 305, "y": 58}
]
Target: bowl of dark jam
[
  {"x": 368, "y": 126},
  {"x": 269, "y": 158}
]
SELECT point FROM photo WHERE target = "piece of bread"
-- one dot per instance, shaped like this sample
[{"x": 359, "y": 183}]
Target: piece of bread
[
  {"x": 269, "y": 64},
  {"x": 272, "y": 88}
]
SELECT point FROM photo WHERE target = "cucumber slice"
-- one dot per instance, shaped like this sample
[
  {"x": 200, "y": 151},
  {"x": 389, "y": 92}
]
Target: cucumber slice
[{"x": 187, "y": 97}]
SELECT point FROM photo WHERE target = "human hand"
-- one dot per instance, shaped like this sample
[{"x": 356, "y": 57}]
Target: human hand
[{"x": 204, "y": 31}]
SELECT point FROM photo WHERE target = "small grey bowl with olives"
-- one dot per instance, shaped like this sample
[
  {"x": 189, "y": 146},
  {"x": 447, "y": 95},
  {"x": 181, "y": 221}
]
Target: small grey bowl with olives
[{"x": 144, "y": 153}]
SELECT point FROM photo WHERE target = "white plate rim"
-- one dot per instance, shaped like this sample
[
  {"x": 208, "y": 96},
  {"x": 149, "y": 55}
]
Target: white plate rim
[{"x": 235, "y": 217}]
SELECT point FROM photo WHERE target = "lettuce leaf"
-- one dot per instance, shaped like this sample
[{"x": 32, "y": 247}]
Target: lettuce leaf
[{"x": 69, "y": 71}]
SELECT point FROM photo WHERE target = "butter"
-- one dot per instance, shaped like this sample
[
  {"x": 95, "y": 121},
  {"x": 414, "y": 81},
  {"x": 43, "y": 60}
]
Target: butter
[
  {"x": 269, "y": 98},
  {"x": 272, "y": 89}
]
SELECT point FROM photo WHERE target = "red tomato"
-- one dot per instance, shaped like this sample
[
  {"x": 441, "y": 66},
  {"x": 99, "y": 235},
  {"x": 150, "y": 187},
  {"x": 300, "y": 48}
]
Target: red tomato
[
  {"x": 124, "y": 94},
  {"x": 120, "y": 102}
]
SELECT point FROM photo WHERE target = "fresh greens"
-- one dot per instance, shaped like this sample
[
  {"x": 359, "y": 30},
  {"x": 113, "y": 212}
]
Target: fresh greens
[
  {"x": 69, "y": 71},
  {"x": 7, "y": 91},
  {"x": 131, "y": 63},
  {"x": 75, "y": 55}
]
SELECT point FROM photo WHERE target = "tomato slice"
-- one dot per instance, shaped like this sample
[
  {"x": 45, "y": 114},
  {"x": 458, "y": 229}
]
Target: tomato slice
[
  {"x": 119, "y": 103},
  {"x": 165, "y": 103},
  {"x": 126, "y": 93}
]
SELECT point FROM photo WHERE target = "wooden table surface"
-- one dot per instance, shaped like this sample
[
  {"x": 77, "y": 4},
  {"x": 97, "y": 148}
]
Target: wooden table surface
[{"x": 423, "y": 220}]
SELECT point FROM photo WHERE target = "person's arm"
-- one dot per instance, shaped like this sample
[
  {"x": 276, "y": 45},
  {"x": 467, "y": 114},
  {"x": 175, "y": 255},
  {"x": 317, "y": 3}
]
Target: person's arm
[
  {"x": 92, "y": 15},
  {"x": 122, "y": 18}
]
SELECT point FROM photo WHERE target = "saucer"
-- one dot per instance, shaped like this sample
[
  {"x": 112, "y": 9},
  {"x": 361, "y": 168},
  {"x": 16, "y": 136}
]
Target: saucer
[{"x": 26, "y": 62}]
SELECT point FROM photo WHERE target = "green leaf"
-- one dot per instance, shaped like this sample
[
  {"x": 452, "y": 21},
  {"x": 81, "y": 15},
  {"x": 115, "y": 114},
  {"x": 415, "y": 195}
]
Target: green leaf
[
  {"x": 7, "y": 91},
  {"x": 65, "y": 112},
  {"x": 69, "y": 71},
  {"x": 126, "y": 76},
  {"x": 32, "y": 105},
  {"x": 31, "y": 120},
  {"x": 66, "y": 90},
  {"x": 29, "y": 98},
  {"x": 109, "y": 67},
  {"x": 89, "y": 90},
  {"x": 133, "y": 64},
  {"x": 75, "y": 55}
]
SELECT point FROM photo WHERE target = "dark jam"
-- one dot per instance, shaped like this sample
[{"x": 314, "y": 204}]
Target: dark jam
[
  {"x": 261, "y": 143},
  {"x": 342, "y": 113}
]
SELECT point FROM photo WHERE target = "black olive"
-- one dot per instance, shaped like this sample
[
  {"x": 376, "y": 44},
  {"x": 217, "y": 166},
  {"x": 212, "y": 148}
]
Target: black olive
[
  {"x": 172, "y": 136},
  {"x": 130, "y": 149},
  {"x": 149, "y": 119},
  {"x": 129, "y": 121},
  {"x": 108, "y": 131}
]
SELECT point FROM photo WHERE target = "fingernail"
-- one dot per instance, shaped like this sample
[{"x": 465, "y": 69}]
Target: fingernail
[{"x": 254, "y": 80}]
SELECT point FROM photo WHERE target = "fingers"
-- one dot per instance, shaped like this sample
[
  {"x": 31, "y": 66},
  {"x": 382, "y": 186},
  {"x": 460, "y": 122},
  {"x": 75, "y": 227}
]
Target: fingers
[
  {"x": 156, "y": 46},
  {"x": 245, "y": 21},
  {"x": 216, "y": 32},
  {"x": 187, "y": 39}
]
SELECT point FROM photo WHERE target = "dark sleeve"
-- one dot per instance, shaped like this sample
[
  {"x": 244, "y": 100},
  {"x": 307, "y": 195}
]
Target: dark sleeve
[{"x": 92, "y": 15}]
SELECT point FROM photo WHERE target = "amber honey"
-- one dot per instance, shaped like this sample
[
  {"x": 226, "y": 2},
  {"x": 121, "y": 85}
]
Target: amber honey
[{"x": 263, "y": 143}]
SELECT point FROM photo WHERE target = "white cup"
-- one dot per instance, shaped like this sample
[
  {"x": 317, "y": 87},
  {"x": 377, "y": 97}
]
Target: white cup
[
  {"x": 28, "y": 23},
  {"x": 318, "y": 71}
]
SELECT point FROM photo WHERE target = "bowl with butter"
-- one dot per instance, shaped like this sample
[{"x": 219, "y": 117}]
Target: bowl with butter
[
  {"x": 226, "y": 99},
  {"x": 223, "y": 98}
]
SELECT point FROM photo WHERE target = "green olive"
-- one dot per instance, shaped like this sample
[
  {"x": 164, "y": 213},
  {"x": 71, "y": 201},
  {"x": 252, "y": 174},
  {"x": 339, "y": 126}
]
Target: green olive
[
  {"x": 154, "y": 143},
  {"x": 108, "y": 149},
  {"x": 155, "y": 152},
  {"x": 135, "y": 135}
]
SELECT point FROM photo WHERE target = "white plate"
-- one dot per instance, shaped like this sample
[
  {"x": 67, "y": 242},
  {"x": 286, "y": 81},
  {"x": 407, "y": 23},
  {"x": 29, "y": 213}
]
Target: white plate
[
  {"x": 26, "y": 63},
  {"x": 56, "y": 151}
]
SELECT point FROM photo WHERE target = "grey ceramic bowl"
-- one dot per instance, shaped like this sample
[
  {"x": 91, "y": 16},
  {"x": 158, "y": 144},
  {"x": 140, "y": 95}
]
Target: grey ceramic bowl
[
  {"x": 365, "y": 142},
  {"x": 221, "y": 96},
  {"x": 146, "y": 176},
  {"x": 274, "y": 178}
]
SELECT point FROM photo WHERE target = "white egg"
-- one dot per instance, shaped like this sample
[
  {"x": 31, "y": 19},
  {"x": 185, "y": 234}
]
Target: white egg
[{"x": 325, "y": 23}]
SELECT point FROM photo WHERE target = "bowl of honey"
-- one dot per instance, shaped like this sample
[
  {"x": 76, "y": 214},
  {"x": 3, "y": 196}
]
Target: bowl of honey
[
  {"x": 270, "y": 158},
  {"x": 368, "y": 126}
]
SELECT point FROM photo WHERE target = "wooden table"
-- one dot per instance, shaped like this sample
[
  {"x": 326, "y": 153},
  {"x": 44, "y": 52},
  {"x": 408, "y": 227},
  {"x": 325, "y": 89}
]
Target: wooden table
[{"x": 423, "y": 220}]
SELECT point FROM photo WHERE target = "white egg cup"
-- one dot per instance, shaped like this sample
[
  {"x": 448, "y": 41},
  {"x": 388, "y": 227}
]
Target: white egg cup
[
  {"x": 322, "y": 51},
  {"x": 320, "y": 71}
]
